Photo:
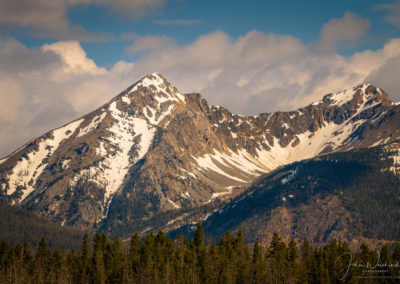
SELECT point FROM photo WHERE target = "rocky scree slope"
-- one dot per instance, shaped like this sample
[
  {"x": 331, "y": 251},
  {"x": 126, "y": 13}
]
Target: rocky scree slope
[{"x": 153, "y": 158}]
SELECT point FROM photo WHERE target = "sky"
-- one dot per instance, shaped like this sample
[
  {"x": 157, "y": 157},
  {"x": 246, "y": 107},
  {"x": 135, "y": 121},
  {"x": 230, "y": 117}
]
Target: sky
[{"x": 61, "y": 59}]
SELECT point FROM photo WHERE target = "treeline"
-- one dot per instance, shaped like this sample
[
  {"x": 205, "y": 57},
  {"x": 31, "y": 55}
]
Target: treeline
[
  {"x": 159, "y": 259},
  {"x": 20, "y": 225}
]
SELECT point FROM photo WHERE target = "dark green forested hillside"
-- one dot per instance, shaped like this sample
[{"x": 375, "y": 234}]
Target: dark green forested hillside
[{"x": 19, "y": 226}]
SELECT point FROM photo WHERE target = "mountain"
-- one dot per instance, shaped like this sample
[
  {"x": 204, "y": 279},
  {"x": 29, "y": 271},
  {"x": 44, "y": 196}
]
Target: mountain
[
  {"x": 351, "y": 196},
  {"x": 153, "y": 158}
]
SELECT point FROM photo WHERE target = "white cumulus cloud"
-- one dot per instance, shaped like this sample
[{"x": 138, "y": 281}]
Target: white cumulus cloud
[
  {"x": 347, "y": 28},
  {"x": 42, "y": 88}
]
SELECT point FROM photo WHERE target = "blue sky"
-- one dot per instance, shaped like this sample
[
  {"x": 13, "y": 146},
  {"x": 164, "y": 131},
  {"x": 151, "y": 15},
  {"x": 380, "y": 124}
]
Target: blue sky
[
  {"x": 187, "y": 20},
  {"x": 62, "y": 59}
]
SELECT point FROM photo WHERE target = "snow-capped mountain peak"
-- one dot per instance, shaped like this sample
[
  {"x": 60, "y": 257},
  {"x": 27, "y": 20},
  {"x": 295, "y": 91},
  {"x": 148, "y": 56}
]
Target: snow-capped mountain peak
[{"x": 152, "y": 150}]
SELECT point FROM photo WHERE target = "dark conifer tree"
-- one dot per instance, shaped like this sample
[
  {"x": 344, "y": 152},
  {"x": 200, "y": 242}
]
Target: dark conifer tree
[
  {"x": 292, "y": 259},
  {"x": 57, "y": 267},
  {"x": 28, "y": 262},
  {"x": 85, "y": 260},
  {"x": 396, "y": 253},
  {"x": 307, "y": 263},
  {"x": 277, "y": 259},
  {"x": 242, "y": 259},
  {"x": 73, "y": 268},
  {"x": 258, "y": 265},
  {"x": 134, "y": 255},
  {"x": 98, "y": 275},
  {"x": 42, "y": 262}
]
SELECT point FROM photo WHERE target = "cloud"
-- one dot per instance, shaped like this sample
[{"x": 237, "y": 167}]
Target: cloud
[
  {"x": 74, "y": 60},
  {"x": 43, "y": 88},
  {"x": 131, "y": 8},
  {"x": 180, "y": 22},
  {"x": 147, "y": 43},
  {"x": 49, "y": 18},
  {"x": 264, "y": 72},
  {"x": 336, "y": 31},
  {"x": 393, "y": 16}
]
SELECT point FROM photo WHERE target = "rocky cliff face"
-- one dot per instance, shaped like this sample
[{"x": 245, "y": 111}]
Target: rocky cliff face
[{"x": 155, "y": 158}]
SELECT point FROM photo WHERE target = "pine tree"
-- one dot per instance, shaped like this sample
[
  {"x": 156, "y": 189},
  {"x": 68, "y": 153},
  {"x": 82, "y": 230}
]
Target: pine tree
[
  {"x": 28, "y": 262},
  {"x": 258, "y": 265},
  {"x": 214, "y": 263},
  {"x": 278, "y": 261},
  {"x": 201, "y": 254},
  {"x": 306, "y": 264},
  {"x": 57, "y": 266},
  {"x": 199, "y": 238},
  {"x": 134, "y": 255},
  {"x": 226, "y": 251},
  {"x": 364, "y": 254},
  {"x": 42, "y": 262},
  {"x": 242, "y": 258},
  {"x": 98, "y": 270},
  {"x": 386, "y": 260},
  {"x": 396, "y": 253},
  {"x": 116, "y": 263},
  {"x": 85, "y": 257},
  {"x": 320, "y": 271},
  {"x": 5, "y": 257},
  {"x": 147, "y": 259},
  {"x": 73, "y": 268},
  {"x": 178, "y": 260},
  {"x": 18, "y": 252},
  {"x": 292, "y": 259},
  {"x": 331, "y": 255}
]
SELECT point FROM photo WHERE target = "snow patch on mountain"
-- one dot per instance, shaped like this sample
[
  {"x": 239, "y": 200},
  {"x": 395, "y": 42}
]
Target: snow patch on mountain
[
  {"x": 329, "y": 136},
  {"x": 162, "y": 92},
  {"x": 218, "y": 194},
  {"x": 95, "y": 122},
  {"x": 343, "y": 97},
  {"x": 210, "y": 162},
  {"x": 126, "y": 100},
  {"x": 109, "y": 174},
  {"x": 289, "y": 177},
  {"x": 310, "y": 145},
  {"x": 176, "y": 206},
  {"x": 244, "y": 164},
  {"x": 28, "y": 170},
  {"x": 158, "y": 85},
  {"x": 65, "y": 164}
]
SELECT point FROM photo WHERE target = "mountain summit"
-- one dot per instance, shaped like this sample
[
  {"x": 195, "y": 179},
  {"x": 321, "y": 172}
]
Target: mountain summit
[{"x": 154, "y": 158}]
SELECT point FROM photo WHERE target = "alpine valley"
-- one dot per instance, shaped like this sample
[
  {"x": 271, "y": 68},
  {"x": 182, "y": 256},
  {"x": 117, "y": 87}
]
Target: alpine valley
[{"x": 153, "y": 158}]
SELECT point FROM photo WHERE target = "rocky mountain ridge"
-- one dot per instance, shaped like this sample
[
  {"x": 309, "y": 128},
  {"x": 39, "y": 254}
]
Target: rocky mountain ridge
[
  {"x": 340, "y": 195},
  {"x": 153, "y": 154}
]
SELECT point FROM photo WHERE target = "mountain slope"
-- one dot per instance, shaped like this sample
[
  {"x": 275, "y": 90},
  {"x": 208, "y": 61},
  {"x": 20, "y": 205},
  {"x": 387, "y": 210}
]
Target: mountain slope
[
  {"x": 153, "y": 158},
  {"x": 351, "y": 195},
  {"x": 20, "y": 226}
]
